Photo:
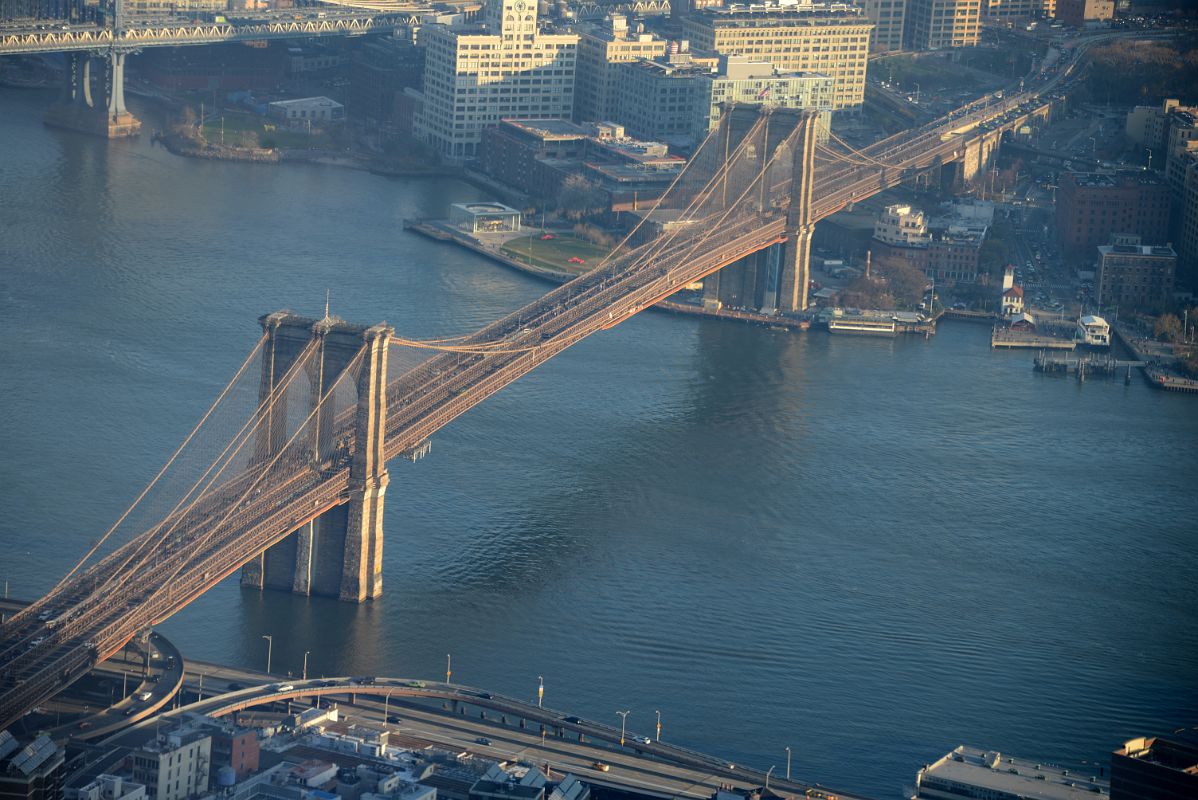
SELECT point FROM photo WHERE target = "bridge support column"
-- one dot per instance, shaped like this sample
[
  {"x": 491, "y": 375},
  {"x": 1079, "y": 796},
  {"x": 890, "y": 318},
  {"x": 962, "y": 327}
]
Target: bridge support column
[
  {"x": 795, "y": 274},
  {"x": 79, "y": 111},
  {"x": 362, "y": 573}
]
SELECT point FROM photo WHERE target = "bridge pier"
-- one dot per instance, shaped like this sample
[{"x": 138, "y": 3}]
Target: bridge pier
[
  {"x": 78, "y": 111},
  {"x": 339, "y": 553}
]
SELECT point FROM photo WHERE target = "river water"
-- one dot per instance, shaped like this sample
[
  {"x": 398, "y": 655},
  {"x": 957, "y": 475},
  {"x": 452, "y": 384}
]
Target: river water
[{"x": 869, "y": 551}]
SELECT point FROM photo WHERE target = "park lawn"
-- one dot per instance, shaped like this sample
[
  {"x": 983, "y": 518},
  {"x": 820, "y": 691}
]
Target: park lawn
[
  {"x": 250, "y": 130},
  {"x": 555, "y": 253}
]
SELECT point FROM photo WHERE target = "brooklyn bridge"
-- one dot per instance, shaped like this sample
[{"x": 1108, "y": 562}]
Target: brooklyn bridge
[{"x": 284, "y": 477}]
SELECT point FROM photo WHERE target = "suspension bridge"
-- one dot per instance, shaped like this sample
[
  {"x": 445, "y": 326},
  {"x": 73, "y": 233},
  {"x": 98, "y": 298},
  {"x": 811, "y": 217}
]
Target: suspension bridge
[{"x": 284, "y": 476}]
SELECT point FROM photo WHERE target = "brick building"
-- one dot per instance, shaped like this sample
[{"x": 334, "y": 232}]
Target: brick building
[{"x": 1091, "y": 207}]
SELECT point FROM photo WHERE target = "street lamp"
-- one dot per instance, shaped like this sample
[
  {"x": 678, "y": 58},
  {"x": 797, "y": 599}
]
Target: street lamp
[
  {"x": 767, "y": 777},
  {"x": 658, "y": 713},
  {"x": 270, "y": 642},
  {"x": 1148, "y": 150},
  {"x": 387, "y": 705},
  {"x": 305, "y": 673},
  {"x": 448, "y": 666},
  {"x": 623, "y": 721},
  {"x": 787, "y": 763},
  {"x": 917, "y": 94},
  {"x": 540, "y": 690}
]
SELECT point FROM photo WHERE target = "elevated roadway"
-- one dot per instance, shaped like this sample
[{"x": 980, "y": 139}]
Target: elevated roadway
[
  {"x": 265, "y": 25},
  {"x": 456, "y": 717}
]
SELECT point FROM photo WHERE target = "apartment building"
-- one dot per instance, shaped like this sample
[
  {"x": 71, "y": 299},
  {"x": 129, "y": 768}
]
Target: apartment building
[
  {"x": 506, "y": 68},
  {"x": 942, "y": 24},
  {"x": 1135, "y": 276},
  {"x": 602, "y": 47},
  {"x": 828, "y": 39},
  {"x": 176, "y": 765}
]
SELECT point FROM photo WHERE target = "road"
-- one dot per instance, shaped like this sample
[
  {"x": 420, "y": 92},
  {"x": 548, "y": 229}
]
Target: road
[{"x": 422, "y": 710}]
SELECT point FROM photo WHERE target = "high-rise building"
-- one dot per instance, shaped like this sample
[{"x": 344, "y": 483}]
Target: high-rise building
[
  {"x": 506, "y": 68},
  {"x": 745, "y": 81},
  {"x": 1090, "y": 207},
  {"x": 602, "y": 47},
  {"x": 887, "y": 17},
  {"x": 1186, "y": 230},
  {"x": 941, "y": 24},
  {"x": 828, "y": 39}
]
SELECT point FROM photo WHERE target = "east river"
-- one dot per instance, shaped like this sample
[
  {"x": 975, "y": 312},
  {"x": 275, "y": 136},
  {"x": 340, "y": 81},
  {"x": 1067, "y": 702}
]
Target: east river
[{"x": 870, "y": 551}]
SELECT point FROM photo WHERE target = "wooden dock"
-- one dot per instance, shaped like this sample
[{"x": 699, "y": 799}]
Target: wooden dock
[
  {"x": 1169, "y": 382},
  {"x": 1002, "y": 337},
  {"x": 1083, "y": 366}
]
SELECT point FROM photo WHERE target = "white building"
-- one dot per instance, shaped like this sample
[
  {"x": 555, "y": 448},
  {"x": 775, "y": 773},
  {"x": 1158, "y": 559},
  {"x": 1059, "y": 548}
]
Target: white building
[
  {"x": 506, "y": 69},
  {"x": 108, "y": 787},
  {"x": 902, "y": 225},
  {"x": 312, "y": 109},
  {"x": 968, "y": 772},
  {"x": 176, "y": 765}
]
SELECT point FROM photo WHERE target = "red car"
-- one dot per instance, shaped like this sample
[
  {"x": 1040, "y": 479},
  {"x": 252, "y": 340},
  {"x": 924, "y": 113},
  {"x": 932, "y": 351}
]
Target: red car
[
  {"x": 548, "y": 236},
  {"x": 576, "y": 260}
]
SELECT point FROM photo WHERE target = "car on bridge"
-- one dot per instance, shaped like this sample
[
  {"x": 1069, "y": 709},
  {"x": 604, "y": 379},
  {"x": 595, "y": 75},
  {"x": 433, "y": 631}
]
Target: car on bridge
[{"x": 482, "y": 740}]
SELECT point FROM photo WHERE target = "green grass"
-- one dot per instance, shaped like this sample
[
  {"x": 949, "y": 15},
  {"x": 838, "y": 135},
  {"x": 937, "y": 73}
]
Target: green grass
[
  {"x": 249, "y": 130},
  {"x": 555, "y": 253}
]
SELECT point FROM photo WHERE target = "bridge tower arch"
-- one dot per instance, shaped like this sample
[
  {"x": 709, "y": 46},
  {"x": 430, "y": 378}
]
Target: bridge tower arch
[{"x": 339, "y": 553}]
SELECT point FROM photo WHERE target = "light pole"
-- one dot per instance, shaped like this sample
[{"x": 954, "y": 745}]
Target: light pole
[
  {"x": 448, "y": 666},
  {"x": 917, "y": 94},
  {"x": 623, "y": 721},
  {"x": 387, "y": 705},
  {"x": 767, "y": 777},
  {"x": 787, "y": 763},
  {"x": 305, "y": 672},
  {"x": 124, "y": 684},
  {"x": 200, "y": 693},
  {"x": 540, "y": 690},
  {"x": 270, "y": 642},
  {"x": 1148, "y": 150},
  {"x": 658, "y": 713}
]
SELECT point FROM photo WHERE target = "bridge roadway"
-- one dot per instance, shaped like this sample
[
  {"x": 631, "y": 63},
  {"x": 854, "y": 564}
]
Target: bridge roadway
[
  {"x": 571, "y": 744},
  {"x": 242, "y": 517},
  {"x": 264, "y": 25}
]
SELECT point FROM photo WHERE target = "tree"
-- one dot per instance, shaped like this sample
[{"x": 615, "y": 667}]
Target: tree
[
  {"x": 1167, "y": 328},
  {"x": 993, "y": 254},
  {"x": 906, "y": 284},
  {"x": 579, "y": 198}
]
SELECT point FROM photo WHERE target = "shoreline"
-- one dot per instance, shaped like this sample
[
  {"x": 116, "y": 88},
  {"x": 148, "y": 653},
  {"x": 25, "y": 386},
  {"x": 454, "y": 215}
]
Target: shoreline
[{"x": 438, "y": 233}]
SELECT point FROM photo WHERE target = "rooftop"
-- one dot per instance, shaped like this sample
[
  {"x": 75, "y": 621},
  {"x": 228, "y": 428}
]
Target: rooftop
[
  {"x": 1010, "y": 777},
  {"x": 548, "y": 129},
  {"x": 1143, "y": 250},
  {"x": 778, "y": 12}
]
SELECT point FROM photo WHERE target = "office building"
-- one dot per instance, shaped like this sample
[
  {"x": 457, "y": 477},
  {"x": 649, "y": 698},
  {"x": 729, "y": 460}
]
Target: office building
[
  {"x": 1156, "y": 768},
  {"x": 887, "y": 17},
  {"x": 942, "y": 24},
  {"x": 1079, "y": 12},
  {"x": 1091, "y": 207},
  {"x": 506, "y": 68},
  {"x": 826, "y": 39},
  {"x": 602, "y": 47},
  {"x": 176, "y": 765},
  {"x": 1187, "y": 226},
  {"x": 968, "y": 772}
]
